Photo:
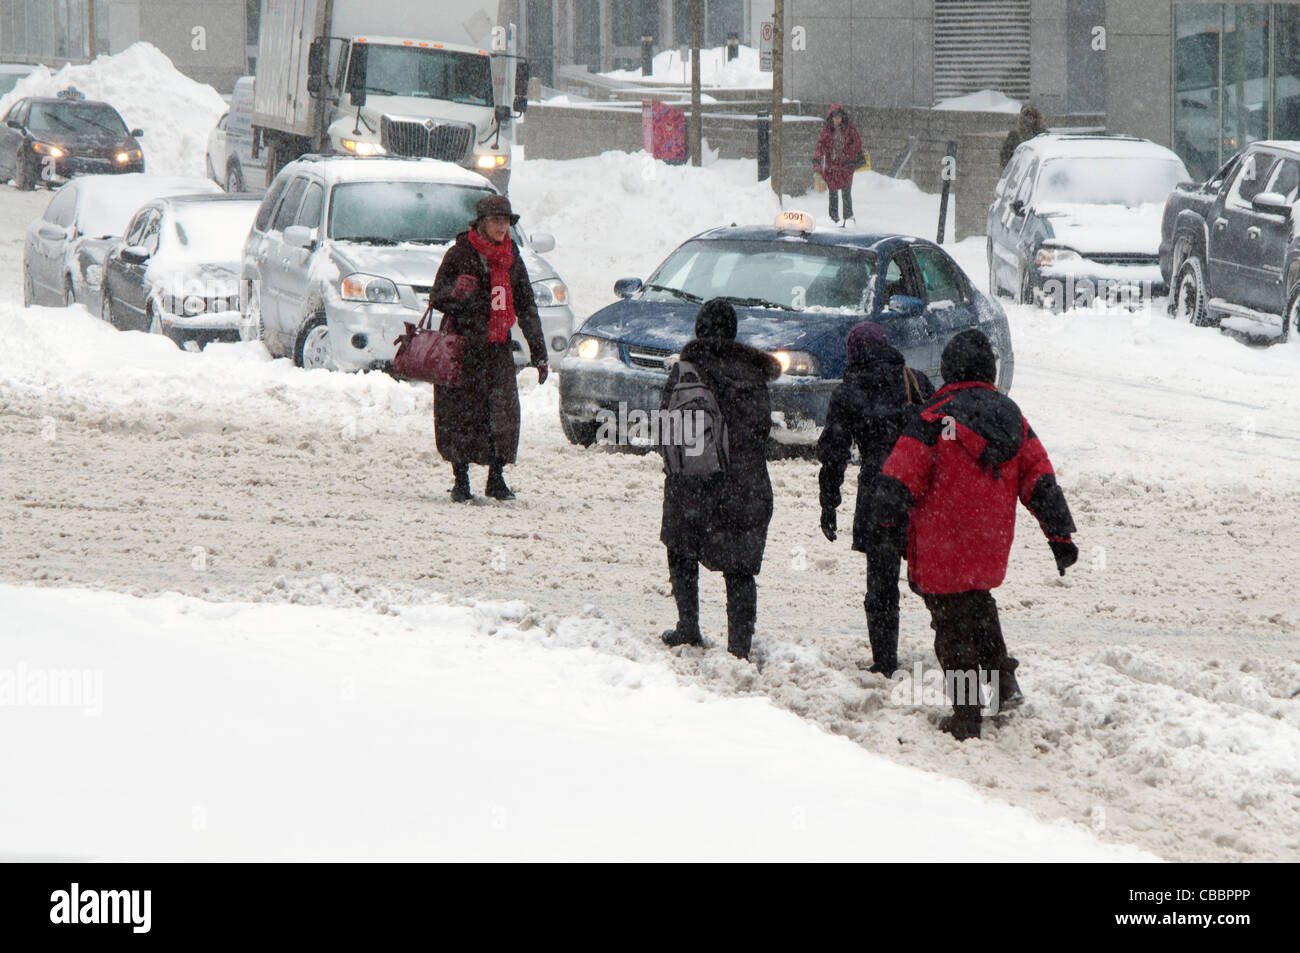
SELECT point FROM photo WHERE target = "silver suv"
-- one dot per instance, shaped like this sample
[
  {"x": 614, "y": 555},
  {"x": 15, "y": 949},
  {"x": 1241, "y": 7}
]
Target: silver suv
[{"x": 344, "y": 251}]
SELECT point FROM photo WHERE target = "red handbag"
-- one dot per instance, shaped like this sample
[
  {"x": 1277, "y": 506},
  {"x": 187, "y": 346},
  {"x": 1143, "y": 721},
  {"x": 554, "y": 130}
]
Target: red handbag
[{"x": 424, "y": 354}]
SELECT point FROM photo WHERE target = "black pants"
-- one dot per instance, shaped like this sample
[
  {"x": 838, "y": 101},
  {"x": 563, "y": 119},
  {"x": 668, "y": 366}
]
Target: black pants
[
  {"x": 742, "y": 600},
  {"x": 968, "y": 637},
  {"x": 835, "y": 202},
  {"x": 881, "y": 604}
]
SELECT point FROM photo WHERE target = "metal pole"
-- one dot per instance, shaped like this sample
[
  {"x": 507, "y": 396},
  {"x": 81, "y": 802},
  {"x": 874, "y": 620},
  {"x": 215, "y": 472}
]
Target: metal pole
[
  {"x": 778, "y": 89},
  {"x": 90, "y": 29},
  {"x": 696, "y": 130}
]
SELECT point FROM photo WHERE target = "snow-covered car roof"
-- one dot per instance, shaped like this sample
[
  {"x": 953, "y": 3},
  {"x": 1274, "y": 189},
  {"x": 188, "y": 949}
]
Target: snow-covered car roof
[
  {"x": 390, "y": 169},
  {"x": 107, "y": 202},
  {"x": 1291, "y": 145},
  {"x": 1054, "y": 146}
]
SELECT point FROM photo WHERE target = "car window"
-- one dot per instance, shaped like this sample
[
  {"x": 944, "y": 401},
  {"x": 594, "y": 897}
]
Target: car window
[
  {"x": 1251, "y": 178},
  {"x": 1026, "y": 188},
  {"x": 269, "y": 202},
  {"x": 309, "y": 213},
  {"x": 939, "y": 275},
  {"x": 150, "y": 237},
  {"x": 1011, "y": 175},
  {"x": 62, "y": 208},
  {"x": 135, "y": 230},
  {"x": 79, "y": 117},
  {"x": 900, "y": 278},
  {"x": 1286, "y": 179},
  {"x": 13, "y": 110},
  {"x": 1216, "y": 181},
  {"x": 284, "y": 215}
]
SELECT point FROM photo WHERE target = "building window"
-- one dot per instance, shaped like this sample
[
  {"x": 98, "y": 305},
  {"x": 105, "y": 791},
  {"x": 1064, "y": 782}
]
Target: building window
[{"x": 981, "y": 44}]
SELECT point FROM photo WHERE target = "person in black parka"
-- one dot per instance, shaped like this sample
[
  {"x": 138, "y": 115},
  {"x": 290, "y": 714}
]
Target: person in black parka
[
  {"x": 483, "y": 287},
  {"x": 721, "y": 520},
  {"x": 870, "y": 408}
]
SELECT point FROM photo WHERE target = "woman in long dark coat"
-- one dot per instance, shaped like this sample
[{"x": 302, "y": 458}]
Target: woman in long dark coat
[
  {"x": 483, "y": 287},
  {"x": 721, "y": 520}
]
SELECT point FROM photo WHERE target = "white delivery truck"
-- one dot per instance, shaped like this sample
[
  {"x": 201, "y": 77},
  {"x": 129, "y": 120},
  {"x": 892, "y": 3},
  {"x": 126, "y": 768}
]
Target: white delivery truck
[{"x": 433, "y": 78}]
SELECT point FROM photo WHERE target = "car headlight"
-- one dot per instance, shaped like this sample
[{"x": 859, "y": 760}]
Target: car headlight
[
  {"x": 371, "y": 288},
  {"x": 798, "y": 363},
  {"x": 126, "y": 155},
  {"x": 550, "y": 293},
  {"x": 1054, "y": 256},
  {"x": 587, "y": 347},
  {"x": 490, "y": 161},
  {"x": 45, "y": 149},
  {"x": 193, "y": 304},
  {"x": 362, "y": 148}
]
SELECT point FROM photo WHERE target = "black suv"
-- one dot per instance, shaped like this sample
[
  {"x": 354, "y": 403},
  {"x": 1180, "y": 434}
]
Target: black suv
[
  {"x": 50, "y": 139},
  {"x": 1227, "y": 246}
]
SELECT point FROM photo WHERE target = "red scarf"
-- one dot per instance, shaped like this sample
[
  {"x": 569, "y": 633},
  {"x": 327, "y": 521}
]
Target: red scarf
[{"x": 502, "y": 308}]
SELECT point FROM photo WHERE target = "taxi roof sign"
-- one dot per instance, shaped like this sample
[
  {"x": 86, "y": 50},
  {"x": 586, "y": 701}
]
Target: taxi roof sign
[{"x": 793, "y": 220}]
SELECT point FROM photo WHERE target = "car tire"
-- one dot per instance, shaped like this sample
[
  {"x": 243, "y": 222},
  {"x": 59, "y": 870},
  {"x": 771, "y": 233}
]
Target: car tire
[
  {"x": 580, "y": 432},
  {"x": 106, "y": 309},
  {"x": 1025, "y": 290},
  {"x": 250, "y": 321},
  {"x": 234, "y": 179},
  {"x": 312, "y": 349},
  {"x": 1190, "y": 296},
  {"x": 153, "y": 324},
  {"x": 1291, "y": 316},
  {"x": 69, "y": 296}
]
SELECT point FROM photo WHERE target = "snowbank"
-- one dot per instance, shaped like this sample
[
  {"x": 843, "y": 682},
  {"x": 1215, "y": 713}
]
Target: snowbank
[
  {"x": 434, "y": 731},
  {"x": 175, "y": 112},
  {"x": 668, "y": 66},
  {"x": 984, "y": 100}
]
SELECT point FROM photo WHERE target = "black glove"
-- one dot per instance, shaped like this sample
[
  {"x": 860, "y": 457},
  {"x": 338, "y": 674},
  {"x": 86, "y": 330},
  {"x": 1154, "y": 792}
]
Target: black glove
[
  {"x": 1066, "y": 553},
  {"x": 828, "y": 524},
  {"x": 543, "y": 371}
]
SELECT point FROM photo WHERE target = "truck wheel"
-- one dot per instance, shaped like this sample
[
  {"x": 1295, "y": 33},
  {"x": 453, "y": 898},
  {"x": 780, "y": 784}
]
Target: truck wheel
[
  {"x": 234, "y": 179},
  {"x": 1190, "y": 296},
  {"x": 312, "y": 349},
  {"x": 580, "y": 432}
]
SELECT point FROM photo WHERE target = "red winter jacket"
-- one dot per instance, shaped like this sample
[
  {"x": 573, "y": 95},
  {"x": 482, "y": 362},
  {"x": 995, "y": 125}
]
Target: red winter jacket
[
  {"x": 837, "y": 166},
  {"x": 954, "y": 477}
]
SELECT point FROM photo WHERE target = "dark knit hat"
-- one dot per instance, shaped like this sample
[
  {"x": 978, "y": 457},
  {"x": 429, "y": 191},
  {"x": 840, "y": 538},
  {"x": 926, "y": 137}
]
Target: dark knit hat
[
  {"x": 491, "y": 205},
  {"x": 969, "y": 357},
  {"x": 716, "y": 319},
  {"x": 863, "y": 339}
]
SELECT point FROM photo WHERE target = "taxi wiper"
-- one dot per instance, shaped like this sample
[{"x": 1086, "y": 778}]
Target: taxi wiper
[
  {"x": 755, "y": 302},
  {"x": 684, "y": 295}
]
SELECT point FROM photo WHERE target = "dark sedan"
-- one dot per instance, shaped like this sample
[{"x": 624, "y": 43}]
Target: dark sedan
[
  {"x": 48, "y": 140},
  {"x": 797, "y": 294}
]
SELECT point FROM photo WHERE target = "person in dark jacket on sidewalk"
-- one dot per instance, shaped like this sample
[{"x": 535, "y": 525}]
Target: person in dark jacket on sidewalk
[
  {"x": 1029, "y": 123},
  {"x": 947, "y": 494},
  {"x": 835, "y": 159},
  {"x": 483, "y": 287},
  {"x": 878, "y": 395},
  {"x": 720, "y": 520}
]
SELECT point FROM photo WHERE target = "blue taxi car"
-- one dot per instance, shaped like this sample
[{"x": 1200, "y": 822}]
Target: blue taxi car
[{"x": 797, "y": 291}]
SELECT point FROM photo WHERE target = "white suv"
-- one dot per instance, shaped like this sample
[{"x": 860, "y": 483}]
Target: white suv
[{"x": 344, "y": 251}]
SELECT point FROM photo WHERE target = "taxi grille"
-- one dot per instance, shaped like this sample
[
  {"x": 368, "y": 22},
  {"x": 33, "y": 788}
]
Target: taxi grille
[{"x": 652, "y": 357}]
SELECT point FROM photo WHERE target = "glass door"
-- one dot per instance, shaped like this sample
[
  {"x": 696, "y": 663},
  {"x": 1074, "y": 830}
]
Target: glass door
[{"x": 1197, "y": 28}]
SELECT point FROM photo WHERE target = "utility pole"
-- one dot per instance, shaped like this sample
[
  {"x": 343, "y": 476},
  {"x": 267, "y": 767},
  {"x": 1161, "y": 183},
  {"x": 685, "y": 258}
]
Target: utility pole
[
  {"x": 696, "y": 126},
  {"x": 90, "y": 30},
  {"x": 778, "y": 88}
]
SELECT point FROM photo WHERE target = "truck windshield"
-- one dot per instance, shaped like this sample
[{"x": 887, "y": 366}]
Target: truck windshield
[
  {"x": 388, "y": 213},
  {"x": 428, "y": 74}
]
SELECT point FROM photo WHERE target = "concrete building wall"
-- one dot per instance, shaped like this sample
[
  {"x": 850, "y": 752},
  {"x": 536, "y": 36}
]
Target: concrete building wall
[{"x": 1139, "y": 88}]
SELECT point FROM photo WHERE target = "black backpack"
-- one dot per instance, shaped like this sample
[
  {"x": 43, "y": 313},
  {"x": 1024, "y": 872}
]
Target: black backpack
[{"x": 693, "y": 411}]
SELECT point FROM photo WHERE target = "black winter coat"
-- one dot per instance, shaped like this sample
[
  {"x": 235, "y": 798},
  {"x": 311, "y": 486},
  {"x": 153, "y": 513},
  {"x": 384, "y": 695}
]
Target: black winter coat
[
  {"x": 868, "y": 408},
  {"x": 478, "y": 422},
  {"x": 721, "y": 520}
]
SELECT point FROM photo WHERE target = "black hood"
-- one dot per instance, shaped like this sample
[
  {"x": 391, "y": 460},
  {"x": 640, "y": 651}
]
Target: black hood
[{"x": 969, "y": 357}]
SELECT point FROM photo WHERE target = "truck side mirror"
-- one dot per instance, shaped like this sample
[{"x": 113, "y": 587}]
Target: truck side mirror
[
  {"x": 316, "y": 66},
  {"x": 521, "y": 104},
  {"x": 502, "y": 114},
  {"x": 357, "y": 75}
]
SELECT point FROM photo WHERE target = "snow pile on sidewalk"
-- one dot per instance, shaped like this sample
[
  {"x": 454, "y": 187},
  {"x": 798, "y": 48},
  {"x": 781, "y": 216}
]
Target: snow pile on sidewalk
[
  {"x": 669, "y": 66},
  {"x": 436, "y": 731},
  {"x": 175, "y": 112},
  {"x": 984, "y": 100}
]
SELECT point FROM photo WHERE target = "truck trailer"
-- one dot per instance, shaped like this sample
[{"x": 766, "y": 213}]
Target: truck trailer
[{"x": 426, "y": 78}]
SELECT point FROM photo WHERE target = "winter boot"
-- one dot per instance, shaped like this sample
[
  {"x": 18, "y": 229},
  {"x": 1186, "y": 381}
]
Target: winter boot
[
  {"x": 460, "y": 492},
  {"x": 686, "y": 632},
  {"x": 742, "y": 608},
  {"x": 496, "y": 484},
  {"x": 961, "y": 727}
]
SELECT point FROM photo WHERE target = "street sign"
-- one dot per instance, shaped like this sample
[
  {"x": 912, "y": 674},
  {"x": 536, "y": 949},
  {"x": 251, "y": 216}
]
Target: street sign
[{"x": 765, "y": 35}]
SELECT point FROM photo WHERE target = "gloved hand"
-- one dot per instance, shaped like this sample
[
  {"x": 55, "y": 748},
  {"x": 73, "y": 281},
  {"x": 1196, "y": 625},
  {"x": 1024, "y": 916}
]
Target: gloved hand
[
  {"x": 1066, "y": 553},
  {"x": 828, "y": 524},
  {"x": 543, "y": 371}
]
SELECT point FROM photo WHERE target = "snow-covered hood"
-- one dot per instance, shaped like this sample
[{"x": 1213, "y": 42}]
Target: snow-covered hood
[
  {"x": 1104, "y": 229},
  {"x": 208, "y": 279},
  {"x": 413, "y": 264}
]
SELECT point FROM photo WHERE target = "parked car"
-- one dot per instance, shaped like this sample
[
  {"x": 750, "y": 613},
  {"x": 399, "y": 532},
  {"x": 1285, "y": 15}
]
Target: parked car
[
  {"x": 230, "y": 160},
  {"x": 50, "y": 139},
  {"x": 63, "y": 254},
  {"x": 344, "y": 251},
  {"x": 797, "y": 293},
  {"x": 1228, "y": 244},
  {"x": 1076, "y": 217},
  {"x": 13, "y": 73},
  {"x": 176, "y": 271}
]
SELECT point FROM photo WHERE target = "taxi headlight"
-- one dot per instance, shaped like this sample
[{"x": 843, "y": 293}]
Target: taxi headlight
[
  {"x": 798, "y": 363},
  {"x": 586, "y": 347}
]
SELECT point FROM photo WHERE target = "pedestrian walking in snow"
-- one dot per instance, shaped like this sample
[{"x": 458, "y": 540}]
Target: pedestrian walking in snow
[
  {"x": 1029, "y": 123},
  {"x": 947, "y": 495},
  {"x": 878, "y": 396},
  {"x": 720, "y": 519},
  {"x": 838, "y": 154},
  {"x": 483, "y": 285}
]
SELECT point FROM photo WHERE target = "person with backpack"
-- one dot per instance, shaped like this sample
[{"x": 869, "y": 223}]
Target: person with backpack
[
  {"x": 947, "y": 496},
  {"x": 878, "y": 395},
  {"x": 836, "y": 157},
  {"x": 717, "y": 495}
]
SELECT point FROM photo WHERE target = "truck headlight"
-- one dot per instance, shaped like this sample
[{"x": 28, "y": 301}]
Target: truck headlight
[
  {"x": 490, "y": 161},
  {"x": 798, "y": 363},
  {"x": 587, "y": 347},
  {"x": 369, "y": 288},
  {"x": 1055, "y": 256},
  {"x": 362, "y": 148},
  {"x": 550, "y": 292}
]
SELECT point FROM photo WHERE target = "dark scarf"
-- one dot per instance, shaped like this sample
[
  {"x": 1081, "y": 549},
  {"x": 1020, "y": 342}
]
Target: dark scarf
[{"x": 499, "y": 258}]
